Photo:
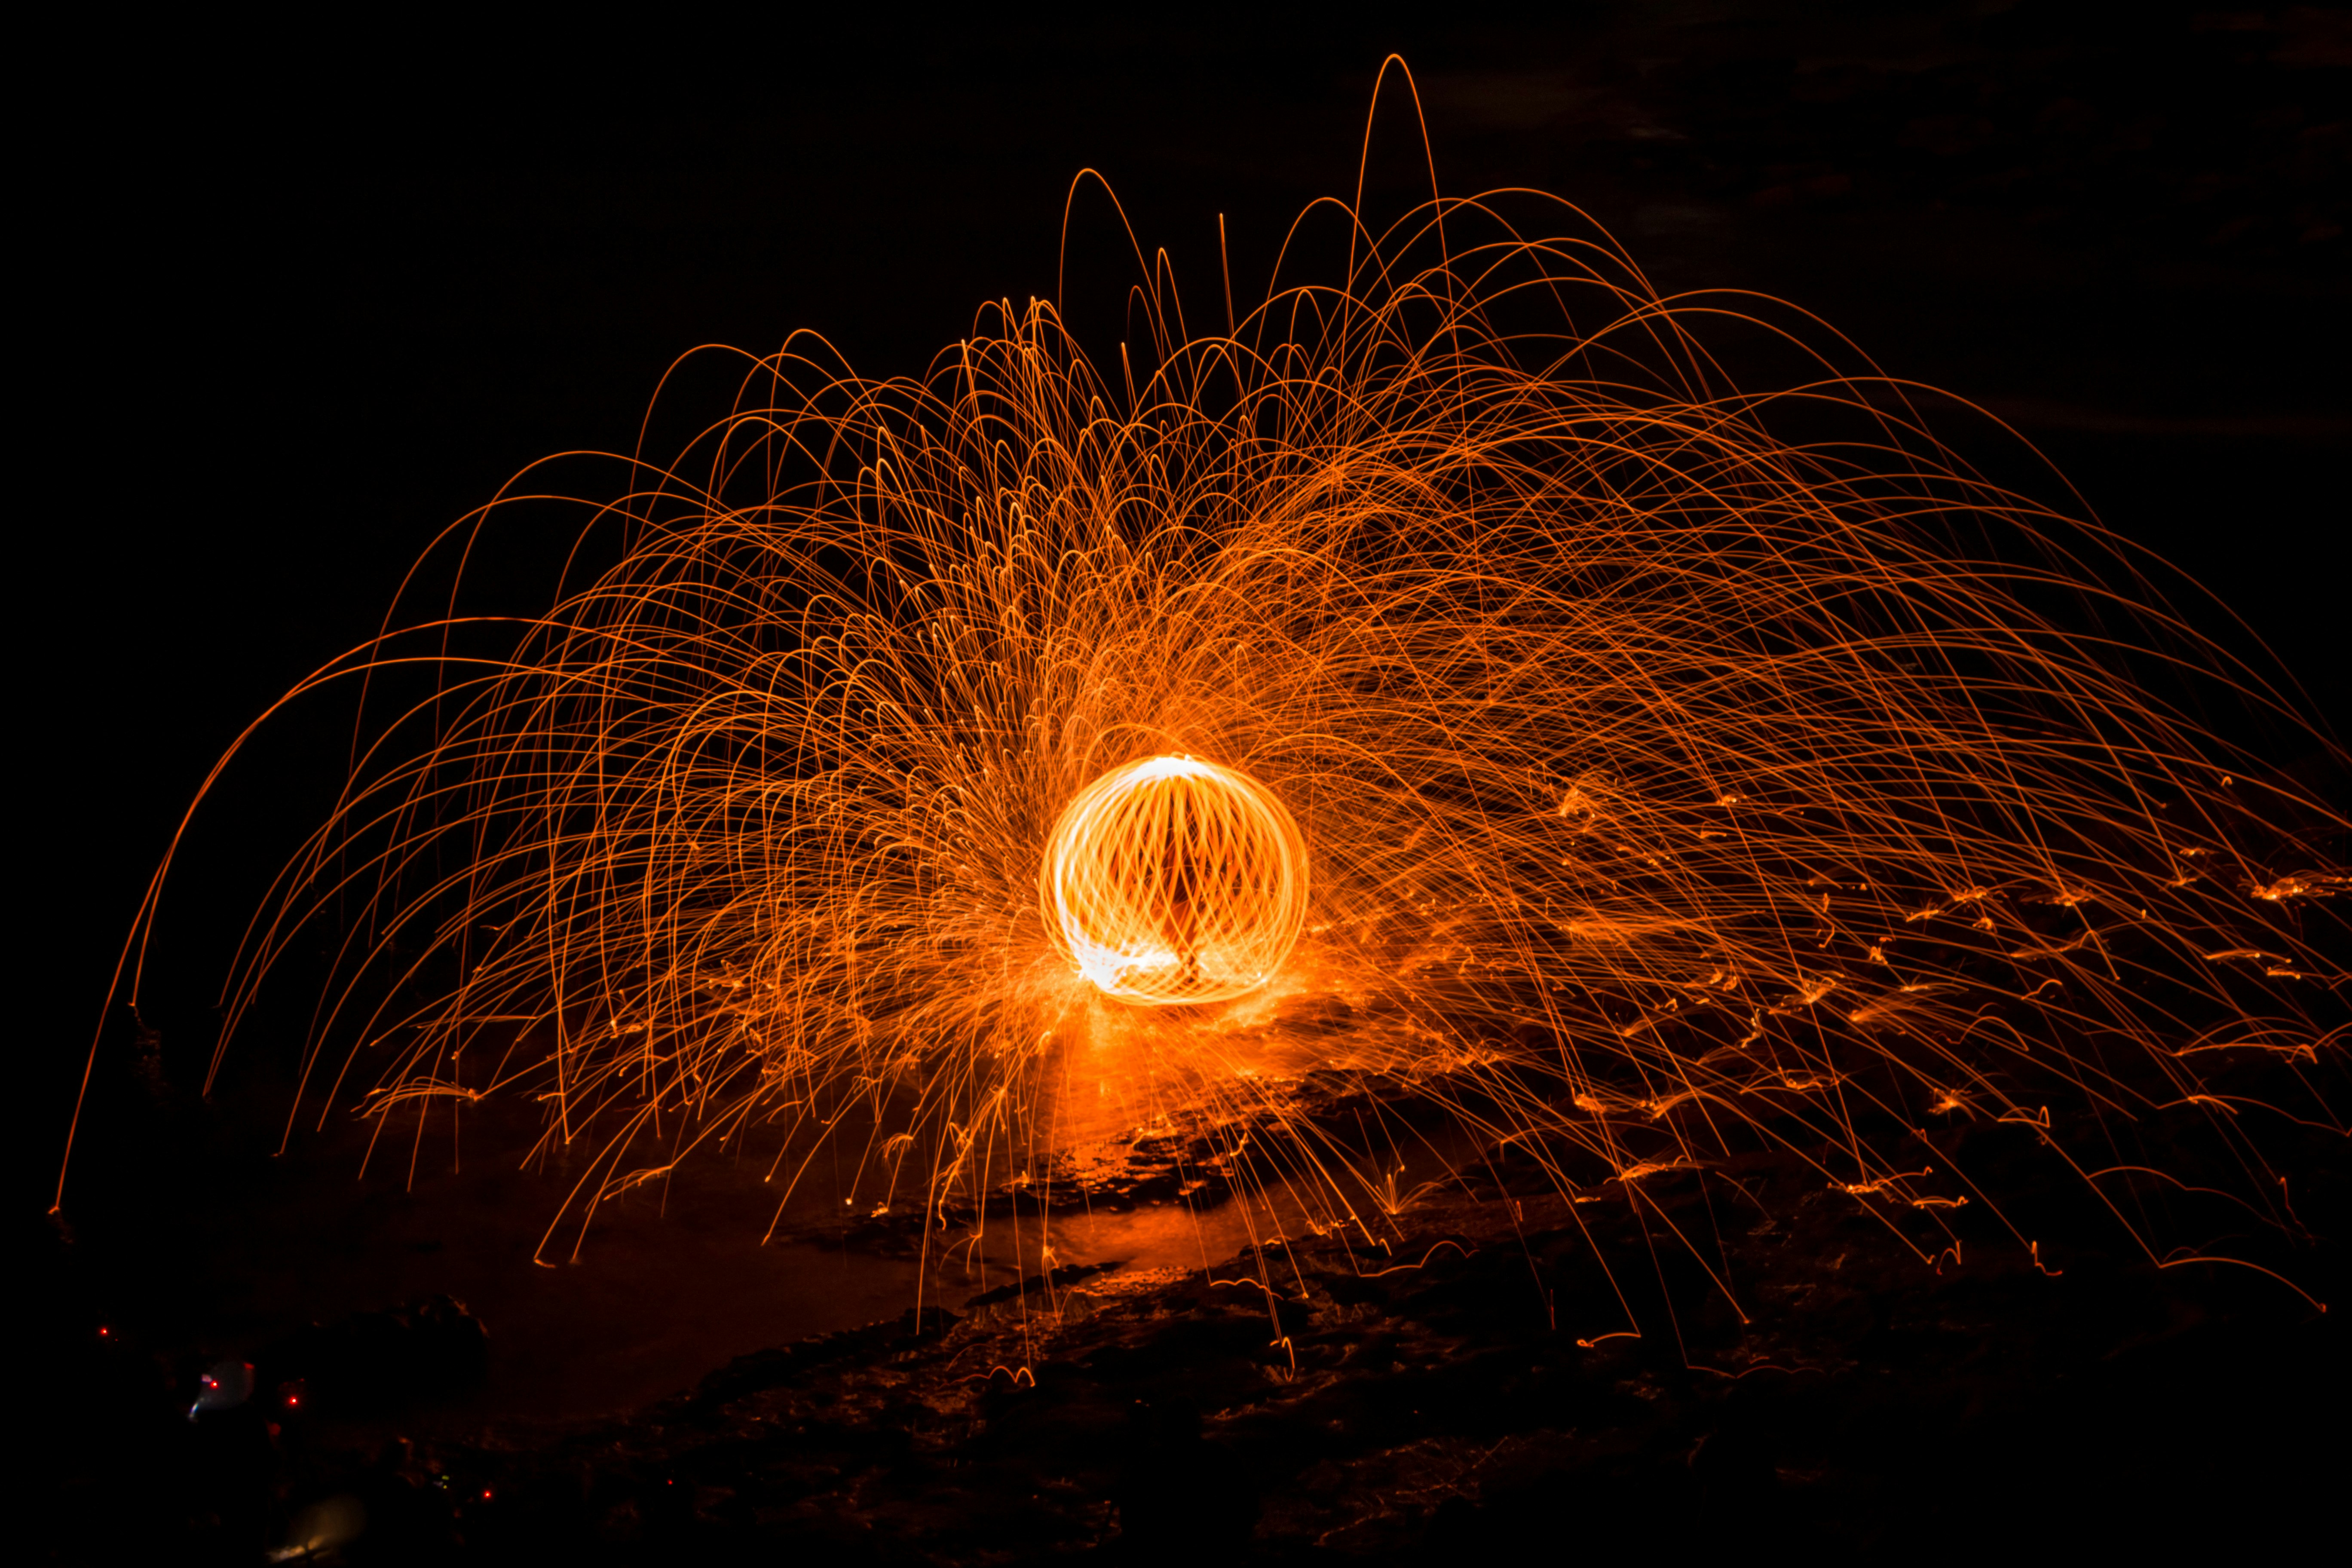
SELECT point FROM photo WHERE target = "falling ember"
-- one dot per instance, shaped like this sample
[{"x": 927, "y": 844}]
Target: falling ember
[{"x": 1172, "y": 879}]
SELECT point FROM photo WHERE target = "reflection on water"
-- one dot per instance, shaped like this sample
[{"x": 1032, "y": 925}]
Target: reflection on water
[{"x": 671, "y": 1279}]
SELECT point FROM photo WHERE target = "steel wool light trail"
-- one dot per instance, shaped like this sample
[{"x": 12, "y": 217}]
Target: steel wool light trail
[
  {"x": 1172, "y": 880},
  {"x": 1447, "y": 678}
]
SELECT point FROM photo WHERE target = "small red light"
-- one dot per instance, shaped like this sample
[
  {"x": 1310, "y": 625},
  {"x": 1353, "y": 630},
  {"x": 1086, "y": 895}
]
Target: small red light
[{"x": 486, "y": 1494}]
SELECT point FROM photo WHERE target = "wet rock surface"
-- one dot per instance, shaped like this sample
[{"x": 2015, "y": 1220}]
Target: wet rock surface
[{"x": 1508, "y": 1367}]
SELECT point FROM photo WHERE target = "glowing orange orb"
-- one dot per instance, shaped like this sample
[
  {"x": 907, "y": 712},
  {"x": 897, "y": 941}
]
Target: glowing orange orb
[{"x": 1172, "y": 879}]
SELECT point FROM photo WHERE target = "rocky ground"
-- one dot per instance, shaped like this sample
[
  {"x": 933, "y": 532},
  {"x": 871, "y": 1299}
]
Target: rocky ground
[{"x": 1471, "y": 1384}]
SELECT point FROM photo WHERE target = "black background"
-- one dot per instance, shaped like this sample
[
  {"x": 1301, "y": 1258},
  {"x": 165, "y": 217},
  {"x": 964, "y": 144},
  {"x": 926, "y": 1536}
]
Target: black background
[{"x": 302, "y": 301}]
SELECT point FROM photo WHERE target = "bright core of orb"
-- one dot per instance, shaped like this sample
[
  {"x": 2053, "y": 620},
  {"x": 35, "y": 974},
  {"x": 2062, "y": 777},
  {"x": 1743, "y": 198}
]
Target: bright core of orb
[{"x": 1174, "y": 880}]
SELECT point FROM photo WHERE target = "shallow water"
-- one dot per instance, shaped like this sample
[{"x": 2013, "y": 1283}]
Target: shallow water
[
  {"x": 666, "y": 1284},
  {"x": 670, "y": 1281}
]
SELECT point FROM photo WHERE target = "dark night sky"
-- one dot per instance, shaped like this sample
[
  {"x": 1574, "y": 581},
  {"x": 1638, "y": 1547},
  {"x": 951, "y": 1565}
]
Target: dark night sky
[{"x": 303, "y": 309}]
